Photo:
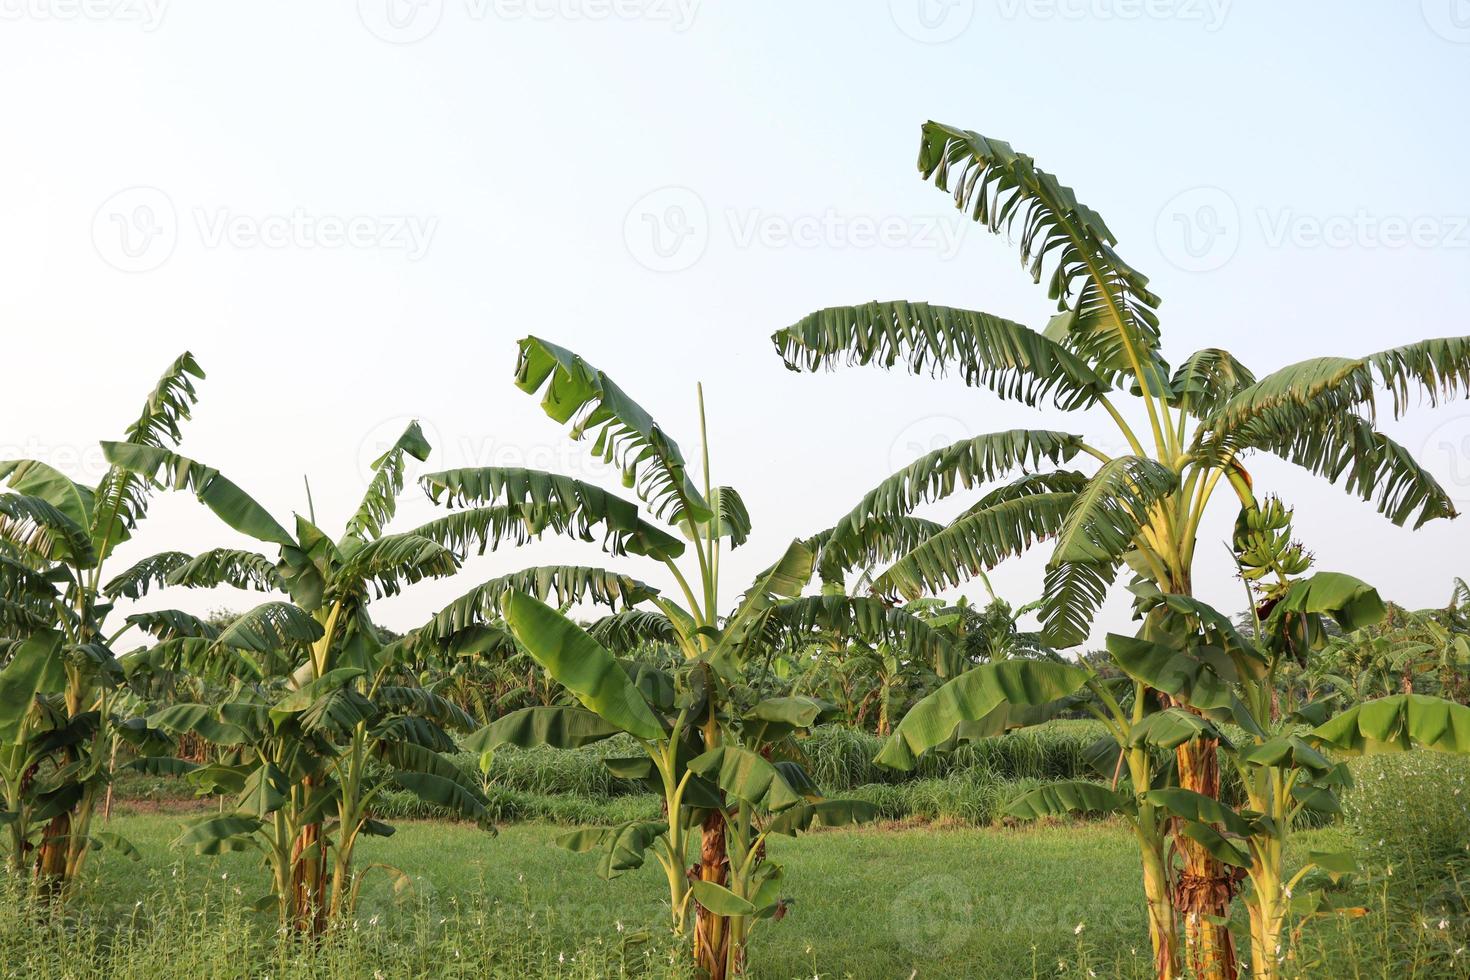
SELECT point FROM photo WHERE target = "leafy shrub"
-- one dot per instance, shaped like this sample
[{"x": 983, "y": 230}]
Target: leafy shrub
[
  {"x": 511, "y": 806},
  {"x": 182, "y": 933},
  {"x": 1412, "y": 814},
  {"x": 842, "y": 758},
  {"x": 974, "y": 798}
]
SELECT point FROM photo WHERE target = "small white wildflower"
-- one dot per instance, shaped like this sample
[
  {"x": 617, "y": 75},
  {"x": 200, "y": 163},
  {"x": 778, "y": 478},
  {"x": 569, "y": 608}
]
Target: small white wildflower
[
  {"x": 561, "y": 957},
  {"x": 224, "y": 875},
  {"x": 1444, "y": 924},
  {"x": 1080, "y": 927},
  {"x": 619, "y": 924},
  {"x": 374, "y": 920},
  {"x": 138, "y": 904}
]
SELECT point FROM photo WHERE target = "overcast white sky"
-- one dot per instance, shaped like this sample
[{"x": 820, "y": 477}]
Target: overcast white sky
[{"x": 350, "y": 211}]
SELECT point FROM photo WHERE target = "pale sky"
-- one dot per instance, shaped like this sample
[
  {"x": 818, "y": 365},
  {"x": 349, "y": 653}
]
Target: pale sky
[{"x": 349, "y": 212}]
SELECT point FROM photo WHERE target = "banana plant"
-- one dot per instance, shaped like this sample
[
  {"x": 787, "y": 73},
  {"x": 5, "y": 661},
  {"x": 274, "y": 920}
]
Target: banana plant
[
  {"x": 488, "y": 677},
  {"x": 58, "y": 714},
  {"x": 869, "y": 683},
  {"x": 1014, "y": 693},
  {"x": 706, "y": 703},
  {"x": 1185, "y": 434},
  {"x": 1408, "y": 646},
  {"x": 322, "y": 721},
  {"x": 1194, "y": 656}
]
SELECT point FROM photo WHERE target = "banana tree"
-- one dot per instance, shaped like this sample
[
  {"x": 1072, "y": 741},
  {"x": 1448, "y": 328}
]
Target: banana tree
[
  {"x": 58, "y": 718},
  {"x": 489, "y": 677},
  {"x": 1408, "y": 646},
  {"x": 870, "y": 684},
  {"x": 326, "y": 724},
  {"x": 1014, "y": 693},
  {"x": 1194, "y": 656},
  {"x": 1185, "y": 436},
  {"x": 707, "y": 703},
  {"x": 1283, "y": 768},
  {"x": 751, "y": 781}
]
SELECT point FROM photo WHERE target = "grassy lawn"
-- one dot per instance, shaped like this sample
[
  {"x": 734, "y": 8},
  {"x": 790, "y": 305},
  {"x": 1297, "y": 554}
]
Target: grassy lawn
[
  {"x": 917, "y": 902},
  {"x": 944, "y": 903}
]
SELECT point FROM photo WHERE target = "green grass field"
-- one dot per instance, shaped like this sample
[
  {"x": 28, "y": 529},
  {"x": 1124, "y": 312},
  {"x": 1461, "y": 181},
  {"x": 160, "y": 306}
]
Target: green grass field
[
  {"x": 948, "y": 892},
  {"x": 875, "y": 903}
]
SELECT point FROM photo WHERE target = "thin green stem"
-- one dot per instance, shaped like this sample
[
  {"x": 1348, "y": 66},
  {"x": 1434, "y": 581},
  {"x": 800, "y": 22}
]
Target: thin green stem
[
  {"x": 694, "y": 610},
  {"x": 1122, "y": 424}
]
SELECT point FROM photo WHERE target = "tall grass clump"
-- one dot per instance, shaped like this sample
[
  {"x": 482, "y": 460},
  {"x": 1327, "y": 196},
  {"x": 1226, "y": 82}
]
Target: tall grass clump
[
  {"x": 1411, "y": 813},
  {"x": 546, "y": 770},
  {"x": 842, "y": 758},
  {"x": 176, "y": 932},
  {"x": 973, "y": 798},
  {"x": 518, "y": 806}
]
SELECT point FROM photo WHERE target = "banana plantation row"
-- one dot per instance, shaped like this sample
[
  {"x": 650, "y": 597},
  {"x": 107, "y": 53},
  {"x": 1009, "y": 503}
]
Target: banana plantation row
[{"x": 311, "y": 711}]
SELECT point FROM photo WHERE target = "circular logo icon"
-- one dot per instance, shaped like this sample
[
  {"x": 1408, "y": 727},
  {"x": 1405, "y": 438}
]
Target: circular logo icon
[
  {"x": 1199, "y": 229},
  {"x": 924, "y": 436},
  {"x": 667, "y": 230},
  {"x": 932, "y": 21},
  {"x": 1450, "y": 19},
  {"x": 384, "y": 436},
  {"x": 400, "y": 21},
  {"x": 135, "y": 230},
  {"x": 1446, "y": 452},
  {"x": 933, "y": 916}
]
